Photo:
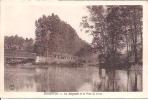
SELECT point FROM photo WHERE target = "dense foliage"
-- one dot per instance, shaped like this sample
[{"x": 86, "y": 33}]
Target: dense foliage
[
  {"x": 18, "y": 43},
  {"x": 55, "y": 35},
  {"x": 117, "y": 32}
]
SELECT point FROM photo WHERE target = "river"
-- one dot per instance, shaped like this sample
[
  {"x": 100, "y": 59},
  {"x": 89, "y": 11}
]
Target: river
[{"x": 63, "y": 78}]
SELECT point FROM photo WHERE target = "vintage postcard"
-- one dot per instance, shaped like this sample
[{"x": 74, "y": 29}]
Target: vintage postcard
[{"x": 73, "y": 49}]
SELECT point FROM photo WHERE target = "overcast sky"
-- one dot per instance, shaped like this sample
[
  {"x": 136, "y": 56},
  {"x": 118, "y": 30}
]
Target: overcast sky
[{"x": 20, "y": 19}]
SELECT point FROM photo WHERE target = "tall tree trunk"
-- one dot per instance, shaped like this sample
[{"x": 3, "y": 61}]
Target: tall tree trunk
[
  {"x": 135, "y": 35},
  {"x": 135, "y": 86}
]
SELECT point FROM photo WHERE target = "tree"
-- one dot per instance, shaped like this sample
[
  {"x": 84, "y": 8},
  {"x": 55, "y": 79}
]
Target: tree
[
  {"x": 117, "y": 31},
  {"x": 55, "y": 35},
  {"x": 44, "y": 27},
  {"x": 18, "y": 43},
  {"x": 115, "y": 28}
]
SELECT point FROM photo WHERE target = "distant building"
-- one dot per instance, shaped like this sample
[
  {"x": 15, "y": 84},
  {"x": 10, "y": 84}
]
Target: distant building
[{"x": 57, "y": 57}]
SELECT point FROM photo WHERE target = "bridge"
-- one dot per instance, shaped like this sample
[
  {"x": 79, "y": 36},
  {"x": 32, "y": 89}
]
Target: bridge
[{"x": 18, "y": 56}]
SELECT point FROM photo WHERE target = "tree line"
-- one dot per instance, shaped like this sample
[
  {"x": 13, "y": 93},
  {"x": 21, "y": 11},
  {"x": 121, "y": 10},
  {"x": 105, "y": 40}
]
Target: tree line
[
  {"x": 18, "y": 43},
  {"x": 117, "y": 33},
  {"x": 55, "y": 35}
]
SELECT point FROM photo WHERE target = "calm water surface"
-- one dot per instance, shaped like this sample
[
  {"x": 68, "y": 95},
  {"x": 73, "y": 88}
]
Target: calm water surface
[{"x": 60, "y": 78}]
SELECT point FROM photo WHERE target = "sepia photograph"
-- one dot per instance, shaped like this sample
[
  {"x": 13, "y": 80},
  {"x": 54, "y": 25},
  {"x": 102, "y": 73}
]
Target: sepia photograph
[{"x": 79, "y": 48}]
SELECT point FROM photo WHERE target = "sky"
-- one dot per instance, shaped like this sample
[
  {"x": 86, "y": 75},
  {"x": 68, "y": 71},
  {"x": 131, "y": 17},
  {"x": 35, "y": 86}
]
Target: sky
[{"x": 20, "y": 19}]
